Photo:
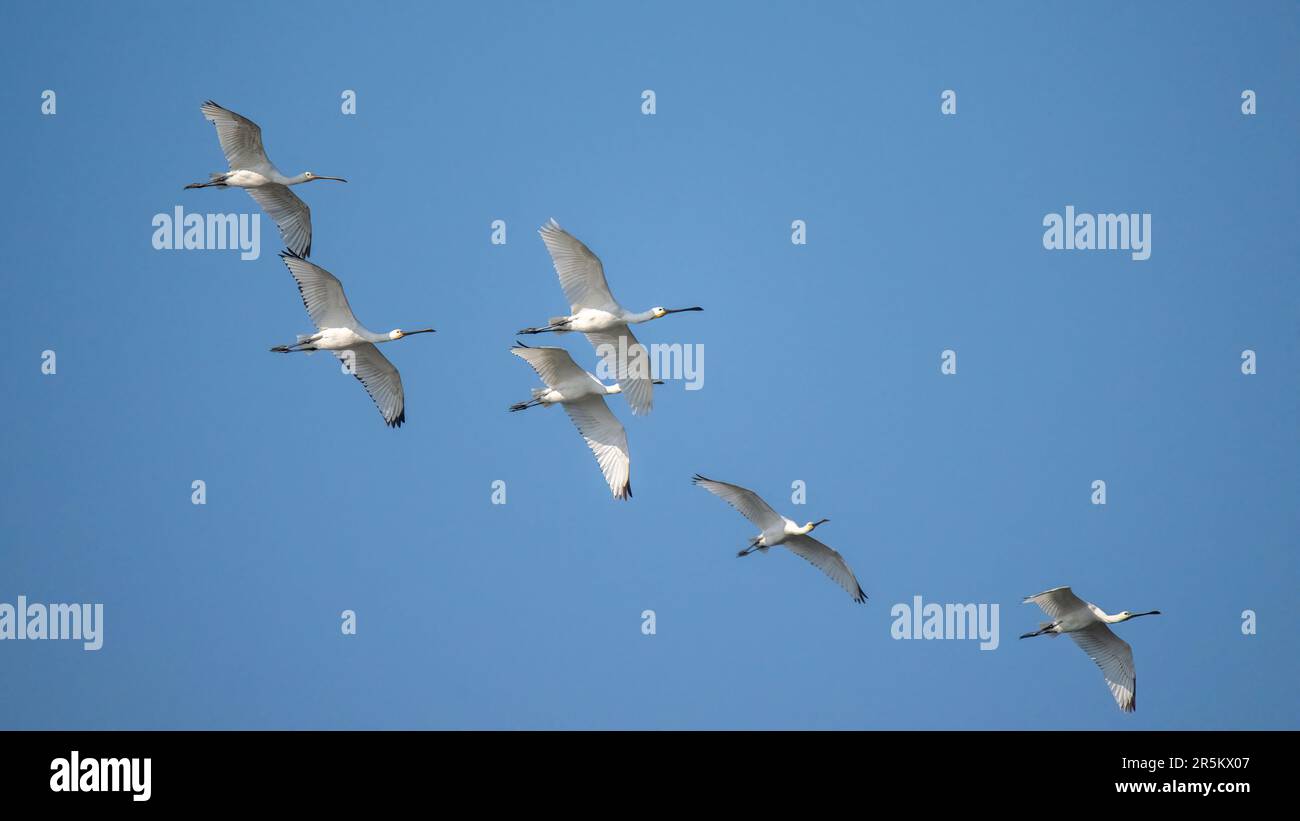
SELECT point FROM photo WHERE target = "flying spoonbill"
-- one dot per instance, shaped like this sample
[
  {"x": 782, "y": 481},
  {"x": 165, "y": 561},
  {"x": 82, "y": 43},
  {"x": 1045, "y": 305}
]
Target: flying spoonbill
[
  {"x": 1086, "y": 624},
  {"x": 339, "y": 331},
  {"x": 597, "y": 314},
  {"x": 241, "y": 141},
  {"x": 583, "y": 397},
  {"x": 778, "y": 530}
]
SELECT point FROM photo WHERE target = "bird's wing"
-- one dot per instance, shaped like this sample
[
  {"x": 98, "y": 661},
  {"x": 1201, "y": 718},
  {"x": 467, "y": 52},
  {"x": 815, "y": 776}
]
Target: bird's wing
[
  {"x": 241, "y": 138},
  {"x": 581, "y": 275},
  {"x": 553, "y": 365},
  {"x": 607, "y": 440},
  {"x": 749, "y": 503},
  {"x": 1057, "y": 602},
  {"x": 381, "y": 380},
  {"x": 322, "y": 293},
  {"x": 632, "y": 371},
  {"x": 1115, "y": 658},
  {"x": 291, "y": 215},
  {"x": 828, "y": 561}
]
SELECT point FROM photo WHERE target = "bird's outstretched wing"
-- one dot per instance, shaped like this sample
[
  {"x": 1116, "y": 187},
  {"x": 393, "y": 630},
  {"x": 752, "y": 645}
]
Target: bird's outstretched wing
[
  {"x": 581, "y": 275},
  {"x": 322, "y": 293},
  {"x": 629, "y": 362},
  {"x": 1057, "y": 602},
  {"x": 381, "y": 381},
  {"x": 1115, "y": 658},
  {"x": 240, "y": 137},
  {"x": 749, "y": 503},
  {"x": 607, "y": 440},
  {"x": 291, "y": 215},
  {"x": 828, "y": 561},
  {"x": 553, "y": 365}
]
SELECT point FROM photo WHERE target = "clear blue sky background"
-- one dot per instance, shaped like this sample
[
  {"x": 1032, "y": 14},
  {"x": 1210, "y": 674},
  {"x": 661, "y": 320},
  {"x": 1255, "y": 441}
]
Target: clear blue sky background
[{"x": 822, "y": 363}]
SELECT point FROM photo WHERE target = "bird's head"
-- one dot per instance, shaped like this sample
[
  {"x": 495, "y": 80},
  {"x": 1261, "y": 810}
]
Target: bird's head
[
  {"x": 398, "y": 333},
  {"x": 1126, "y": 615},
  {"x": 660, "y": 311},
  {"x": 814, "y": 525},
  {"x": 310, "y": 177}
]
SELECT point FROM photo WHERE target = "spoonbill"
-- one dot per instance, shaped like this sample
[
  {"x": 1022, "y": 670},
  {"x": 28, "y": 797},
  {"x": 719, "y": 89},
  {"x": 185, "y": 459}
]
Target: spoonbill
[
  {"x": 339, "y": 331},
  {"x": 583, "y": 397},
  {"x": 241, "y": 141},
  {"x": 778, "y": 530},
  {"x": 1086, "y": 623},
  {"x": 597, "y": 314}
]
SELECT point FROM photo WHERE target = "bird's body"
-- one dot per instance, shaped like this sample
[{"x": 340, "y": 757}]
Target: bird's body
[
  {"x": 338, "y": 330},
  {"x": 583, "y": 397},
  {"x": 595, "y": 313},
  {"x": 777, "y": 530},
  {"x": 250, "y": 169},
  {"x": 1088, "y": 625},
  {"x": 342, "y": 339}
]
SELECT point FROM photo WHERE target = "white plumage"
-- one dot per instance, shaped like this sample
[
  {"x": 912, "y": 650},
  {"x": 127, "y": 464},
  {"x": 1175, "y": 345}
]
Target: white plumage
[
  {"x": 583, "y": 397},
  {"x": 1087, "y": 624},
  {"x": 778, "y": 530},
  {"x": 338, "y": 330},
  {"x": 250, "y": 169},
  {"x": 595, "y": 313}
]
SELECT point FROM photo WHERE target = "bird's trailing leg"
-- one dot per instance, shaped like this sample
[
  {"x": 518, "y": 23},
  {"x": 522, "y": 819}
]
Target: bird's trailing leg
[
  {"x": 531, "y": 403},
  {"x": 300, "y": 345},
  {"x": 1045, "y": 629},
  {"x": 556, "y": 324},
  {"x": 218, "y": 179},
  {"x": 753, "y": 545}
]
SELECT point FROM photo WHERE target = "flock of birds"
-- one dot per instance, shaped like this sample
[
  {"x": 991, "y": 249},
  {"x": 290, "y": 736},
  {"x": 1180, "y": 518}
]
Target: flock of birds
[{"x": 595, "y": 313}]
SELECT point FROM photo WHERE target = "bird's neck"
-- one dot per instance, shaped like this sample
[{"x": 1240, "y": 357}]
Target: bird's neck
[
  {"x": 644, "y": 316},
  {"x": 1115, "y": 619},
  {"x": 301, "y": 178},
  {"x": 805, "y": 530}
]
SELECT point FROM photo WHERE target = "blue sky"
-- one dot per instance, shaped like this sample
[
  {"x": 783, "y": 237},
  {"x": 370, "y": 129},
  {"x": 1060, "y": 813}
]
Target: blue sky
[{"x": 822, "y": 364}]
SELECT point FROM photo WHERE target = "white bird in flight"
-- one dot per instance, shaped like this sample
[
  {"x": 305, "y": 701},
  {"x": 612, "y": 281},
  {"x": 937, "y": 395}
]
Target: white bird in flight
[
  {"x": 597, "y": 314},
  {"x": 1086, "y": 624},
  {"x": 583, "y": 397},
  {"x": 241, "y": 140},
  {"x": 339, "y": 331},
  {"x": 778, "y": 530}
]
